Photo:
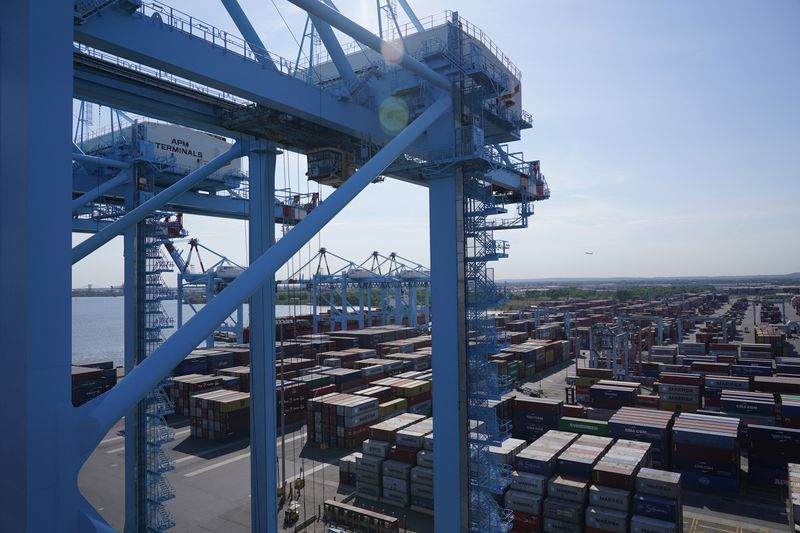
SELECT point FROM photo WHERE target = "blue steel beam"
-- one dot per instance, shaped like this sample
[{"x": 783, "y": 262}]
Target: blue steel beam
[
  {"x": 130, "y": 335},
  {"x": 156, "y": 202},
  {"x": 165, "y": 47},
  {"x": 449, "y": 345},
  {"x": 38, "y": 491},
  {"x": 99, "y": 161},
  {"x": 411, "y": 15},
  {"x": 335, "y": 51},
  {"x": 121, "y": 88},
  {"x": 190, "y": 202},
  {"x": 363, "y": 35},
  {"x": 249, "y": 33},
  {"x": 263, "y": 421},
  {"x": 102, "y": 413},
  {"x": 101, "y": 189}
]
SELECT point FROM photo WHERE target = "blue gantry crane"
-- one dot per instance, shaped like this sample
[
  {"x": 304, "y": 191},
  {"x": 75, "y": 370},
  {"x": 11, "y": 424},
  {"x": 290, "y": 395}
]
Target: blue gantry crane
[
  {"x": 434, "y": 103},
  {"x": 396, "y": 282}
]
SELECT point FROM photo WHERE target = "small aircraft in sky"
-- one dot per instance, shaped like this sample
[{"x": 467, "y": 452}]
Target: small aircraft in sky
[{"x": 588, "y": 252}]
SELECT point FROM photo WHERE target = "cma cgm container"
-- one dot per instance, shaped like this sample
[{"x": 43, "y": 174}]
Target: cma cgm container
[
  {"x": 532, "y": 417},
  {"x": 705, "y": 450},
  {"x": 645, "y": 425},
  {"x": 771, "y": 450}
]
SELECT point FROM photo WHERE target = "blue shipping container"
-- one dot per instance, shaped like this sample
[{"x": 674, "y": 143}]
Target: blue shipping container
[
  {"x": 705, "y": 481},
  {"x": 656, "y": 507},
  {"x": 705, "y": 438}
]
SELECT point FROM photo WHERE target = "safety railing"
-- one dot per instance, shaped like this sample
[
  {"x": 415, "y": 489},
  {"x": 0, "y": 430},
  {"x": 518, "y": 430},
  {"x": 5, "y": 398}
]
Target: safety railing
[{"x": 217, "y": 37}]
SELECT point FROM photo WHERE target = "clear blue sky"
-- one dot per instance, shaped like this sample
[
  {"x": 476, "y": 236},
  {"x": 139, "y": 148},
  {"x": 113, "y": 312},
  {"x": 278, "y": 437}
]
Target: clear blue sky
[{"x": 669, "y": 132}]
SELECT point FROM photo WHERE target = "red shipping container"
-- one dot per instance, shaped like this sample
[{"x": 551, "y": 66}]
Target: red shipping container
[
  {"x": 575, "y": 411},
  {"x": 404, "y": 454},
  {"x": 680, "y": 379},
  {"x": 526, "y": 523},
  {"x": 322, "y": 391},
  {"x": 645, "y": 400}
]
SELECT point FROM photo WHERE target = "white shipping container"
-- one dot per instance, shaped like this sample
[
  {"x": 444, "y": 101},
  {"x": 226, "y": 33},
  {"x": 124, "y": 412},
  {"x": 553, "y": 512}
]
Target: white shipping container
[{"x": 184, "y": 147}]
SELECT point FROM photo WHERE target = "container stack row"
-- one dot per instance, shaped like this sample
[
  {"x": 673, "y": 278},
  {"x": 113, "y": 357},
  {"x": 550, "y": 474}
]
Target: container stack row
[
  {"x": 569, "y": 483},
  {"x": 340, "y": 420},
  {"x": 220, "y": 415}
]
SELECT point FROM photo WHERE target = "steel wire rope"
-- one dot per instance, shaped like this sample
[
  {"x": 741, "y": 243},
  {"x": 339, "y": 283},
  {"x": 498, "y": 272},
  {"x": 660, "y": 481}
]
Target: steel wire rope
[
  {"x": 294, "y": 314},
  {"x": 290, "y": 31},
  {"x": 282, "y": 403}
]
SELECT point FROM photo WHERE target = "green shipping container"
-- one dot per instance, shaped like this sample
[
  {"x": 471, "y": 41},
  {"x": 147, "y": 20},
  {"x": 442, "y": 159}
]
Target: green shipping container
[
  {"x": 530, "y": 369},
  {"x": 584, "y": 426}
]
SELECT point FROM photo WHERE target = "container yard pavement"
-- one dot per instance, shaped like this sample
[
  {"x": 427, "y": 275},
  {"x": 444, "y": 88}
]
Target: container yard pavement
[{"x": 212, "y": 482}]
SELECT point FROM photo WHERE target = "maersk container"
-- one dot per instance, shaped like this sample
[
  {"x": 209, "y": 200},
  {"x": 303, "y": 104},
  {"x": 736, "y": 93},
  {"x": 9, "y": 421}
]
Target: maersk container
[
  {"x": 564, "y": 510},
  {"x": 417, "y": 489},
  {"x": 659, "y": 483},
  {"x": 424, "y": 503},
  {"x": 553, "y": 525},
  {"x": 517, "y": 500},
  {"x": 607, "y": 519},
  {"x": 394, "y": 484},
  {"x": 566, "y": 488},
  {"x": 610, "y": 498},
  {"x": 527, "y": 482}
]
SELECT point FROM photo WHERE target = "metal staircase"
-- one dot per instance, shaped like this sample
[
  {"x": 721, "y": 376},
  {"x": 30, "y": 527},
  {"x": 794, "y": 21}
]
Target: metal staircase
[
  {"x": 156, "y": 405},
  {"x": 488, "y": 478}
]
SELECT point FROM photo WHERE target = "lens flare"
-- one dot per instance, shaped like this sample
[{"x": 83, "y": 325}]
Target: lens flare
[
  {"x": 392, "y": 52},
  {"x": 393, "y": 114}
]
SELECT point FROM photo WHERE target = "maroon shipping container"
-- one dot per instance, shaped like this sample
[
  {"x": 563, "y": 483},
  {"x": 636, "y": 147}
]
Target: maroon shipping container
[
  {"x": 322, "y": 391},
  {"x": 784, "y": 384},
  {"x": 422, "y": 397},
  {"x": 695, "y": 451},
  {"x": 574, "y": 411},
  {"x": 680, "y": 379},
  {"x": 404, "y": 454},
  {"x": 602, "y": 373},
  {"x": 526, "y": 523},
  {"x": 644, "y": 400},
  {"x": 523, "y": 404}
]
